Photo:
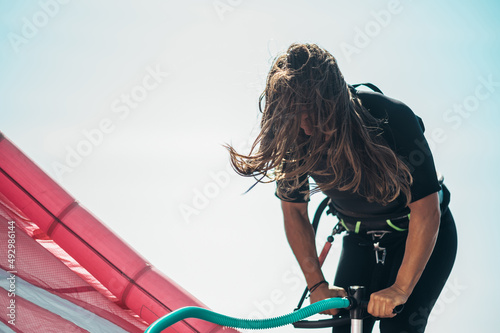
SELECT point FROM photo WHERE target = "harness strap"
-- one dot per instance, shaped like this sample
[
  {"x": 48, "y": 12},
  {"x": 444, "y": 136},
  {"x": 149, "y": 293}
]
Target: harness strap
[
  {"x": 390, "y": 224},
  {"x": 398, "y": 224}
]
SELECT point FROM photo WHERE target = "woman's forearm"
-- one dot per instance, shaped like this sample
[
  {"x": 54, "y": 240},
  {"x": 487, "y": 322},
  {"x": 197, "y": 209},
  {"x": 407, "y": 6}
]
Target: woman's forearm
[
  {"x": 301, "y": 238},
  {"x": 422, "y": 236}
]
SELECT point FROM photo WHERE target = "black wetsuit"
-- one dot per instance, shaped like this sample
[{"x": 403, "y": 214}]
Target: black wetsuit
[{"x": 403, "y": 132}]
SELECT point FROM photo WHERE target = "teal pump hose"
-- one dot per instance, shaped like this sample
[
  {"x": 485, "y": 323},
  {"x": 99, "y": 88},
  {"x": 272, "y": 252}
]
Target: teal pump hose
[{"x": 219, "y": 319}]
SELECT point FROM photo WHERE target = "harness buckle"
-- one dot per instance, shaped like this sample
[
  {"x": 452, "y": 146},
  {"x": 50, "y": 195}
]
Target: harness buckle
[
  {"x": 377, "y": 248},
  {"x": 380, "y": 252}
]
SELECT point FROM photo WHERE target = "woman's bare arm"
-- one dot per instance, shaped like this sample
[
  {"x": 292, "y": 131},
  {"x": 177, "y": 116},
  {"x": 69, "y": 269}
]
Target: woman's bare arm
[
  {"x": 422, "y": 235},
  {"x": 301, "y": 238}
]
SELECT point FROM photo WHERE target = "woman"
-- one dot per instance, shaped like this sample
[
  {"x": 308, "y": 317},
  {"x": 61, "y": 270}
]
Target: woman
[{"x": 368, "y": 154}]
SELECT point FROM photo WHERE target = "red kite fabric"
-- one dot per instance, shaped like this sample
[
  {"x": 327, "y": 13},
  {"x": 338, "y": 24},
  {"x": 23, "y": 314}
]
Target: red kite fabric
[{"x": 62, "y": 270}]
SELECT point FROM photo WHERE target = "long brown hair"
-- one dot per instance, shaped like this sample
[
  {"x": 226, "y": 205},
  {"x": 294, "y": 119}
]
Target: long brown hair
[{"x": 345, "y": 149}]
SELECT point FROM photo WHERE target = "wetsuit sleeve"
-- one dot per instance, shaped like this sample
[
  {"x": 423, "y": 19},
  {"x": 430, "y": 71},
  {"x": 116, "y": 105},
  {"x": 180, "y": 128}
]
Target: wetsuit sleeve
[
  {"x": 299, "y": 195},
  {"x": 413, "y": 149}
]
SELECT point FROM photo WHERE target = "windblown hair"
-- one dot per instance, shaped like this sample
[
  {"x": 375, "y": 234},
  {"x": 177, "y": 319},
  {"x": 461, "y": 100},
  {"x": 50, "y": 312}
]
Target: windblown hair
[{"x": 345, "y": 149}]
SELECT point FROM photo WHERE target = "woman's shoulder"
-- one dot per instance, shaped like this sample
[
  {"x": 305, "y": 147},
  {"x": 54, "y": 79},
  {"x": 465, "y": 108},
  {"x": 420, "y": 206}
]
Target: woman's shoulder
[
  {"x": 394, "y": 111},
  {"x": 379, "y": 103}
]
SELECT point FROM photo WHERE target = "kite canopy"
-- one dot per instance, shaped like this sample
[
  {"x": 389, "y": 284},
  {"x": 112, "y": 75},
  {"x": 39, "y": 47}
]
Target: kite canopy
[{"x": 70, "y": 273}]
